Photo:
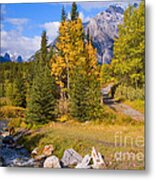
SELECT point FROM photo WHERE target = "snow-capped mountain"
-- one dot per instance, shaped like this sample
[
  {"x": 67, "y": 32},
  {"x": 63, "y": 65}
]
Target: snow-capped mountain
[{"x": 11, "y": 58}]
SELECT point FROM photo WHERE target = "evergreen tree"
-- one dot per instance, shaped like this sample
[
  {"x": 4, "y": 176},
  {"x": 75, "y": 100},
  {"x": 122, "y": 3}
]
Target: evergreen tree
[
  {"x": 41, "y": 107},
  {"x": 85, "y": 96},
  {"x": 85, "y": 87},
  {"x": 2, "y": 80},
  {"x": 44, "y": 47},
  {"x": 74, "y": 12},
  {"x": 79, "y": 98},
  {"x": 63, "y": 15},
  {"x": 50, "y": 54},
  {"x": 88, "y": 36},
  {"x": 19, "y": 92}
]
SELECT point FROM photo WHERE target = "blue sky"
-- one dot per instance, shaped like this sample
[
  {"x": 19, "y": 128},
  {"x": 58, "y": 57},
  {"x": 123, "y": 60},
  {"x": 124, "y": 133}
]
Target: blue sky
[{"x": 22, "y": 24}]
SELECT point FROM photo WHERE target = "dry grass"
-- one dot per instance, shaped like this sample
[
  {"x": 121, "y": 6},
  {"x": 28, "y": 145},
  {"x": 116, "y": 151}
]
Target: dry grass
[{"x": 7, "y": 112}]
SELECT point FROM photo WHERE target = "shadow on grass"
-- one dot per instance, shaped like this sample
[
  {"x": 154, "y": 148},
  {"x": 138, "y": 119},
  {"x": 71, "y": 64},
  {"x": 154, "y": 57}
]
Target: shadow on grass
[{"x": 31, "y": 141}]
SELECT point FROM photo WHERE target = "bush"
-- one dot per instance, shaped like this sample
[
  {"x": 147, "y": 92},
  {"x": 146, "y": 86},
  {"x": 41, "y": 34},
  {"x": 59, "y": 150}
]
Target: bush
[
  {"x": 15, "y": 122},
  {"x": 130, "y": 93},
  {"x": 5, "y": 101},
  {"x": 7, "y": 112}
]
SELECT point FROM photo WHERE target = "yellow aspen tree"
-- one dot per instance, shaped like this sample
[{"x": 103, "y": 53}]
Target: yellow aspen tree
[{"x": 70, "y": 48}]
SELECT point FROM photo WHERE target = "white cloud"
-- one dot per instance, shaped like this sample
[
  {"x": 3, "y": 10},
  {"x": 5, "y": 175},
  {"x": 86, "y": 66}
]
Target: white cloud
[
  {"x": 15, "y": 43},
  {"x": 51, "y": 29},
  {"x": 18, "y": 22},
  {"x": 69, "y": 15},
  {"x": 81, "y": 15},
  {"x": 84, "y": 19}
]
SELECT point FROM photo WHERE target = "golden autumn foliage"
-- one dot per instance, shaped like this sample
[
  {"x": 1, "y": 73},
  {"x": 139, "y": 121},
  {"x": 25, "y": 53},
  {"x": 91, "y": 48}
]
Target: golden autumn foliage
[{"x": 70, "y": 48}]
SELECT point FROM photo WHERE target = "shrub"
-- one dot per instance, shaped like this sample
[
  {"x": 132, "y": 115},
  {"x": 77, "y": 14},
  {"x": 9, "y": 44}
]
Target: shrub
[
  {"x": 130, "y": 93},
  {"x": 5, "y": 101},
  {"x": 15, "y": 122},
  {"x": 7, "y": 112}
]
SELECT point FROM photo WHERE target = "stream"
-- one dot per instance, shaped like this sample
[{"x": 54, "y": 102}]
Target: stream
[{"x": 13, "y": 154}]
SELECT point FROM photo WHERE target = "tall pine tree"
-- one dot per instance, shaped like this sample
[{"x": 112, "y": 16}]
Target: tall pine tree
[
  {"x": 41, "y": 107},
  {"x": 63, "y": 15},
  {"x": 44, "y": 47},
  {"x": 85, "y": 88},
  {"x": 74, "y": 12},
  {"x": 19, "y": 91}
]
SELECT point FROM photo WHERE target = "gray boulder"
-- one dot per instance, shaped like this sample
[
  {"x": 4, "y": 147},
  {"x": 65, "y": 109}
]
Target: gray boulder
[
  {"x": 98, "y": 160},
  {"x": 85, "y": 164},
  {"x": 71, "y": 158},
  {"x": 52, "y": 162}
]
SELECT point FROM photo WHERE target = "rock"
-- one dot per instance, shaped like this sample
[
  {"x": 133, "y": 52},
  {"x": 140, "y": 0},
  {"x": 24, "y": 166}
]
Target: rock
[
  {"x": 52, "y": 162},
  {"x": 70, "y": 158},
  {"x": 24, "y": 162},
  {"x": 85, "y": 162},
  {"x": 48, "y": 150},
  {"x": 98, "y": 161},
  {"x": 39, "y": 160},
  {"x": 8, "y": 140},
  {"x": 4, "y": 134},
  {"x": 40, "y": 157},
  {"x": 35, "y": 151},
  {"x": 19, "y": 146},
  {"x": 104, "y": 29}
]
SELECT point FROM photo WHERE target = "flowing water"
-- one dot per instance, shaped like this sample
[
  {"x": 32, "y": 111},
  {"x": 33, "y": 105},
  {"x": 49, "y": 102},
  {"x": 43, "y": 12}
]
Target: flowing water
[{"x": 12, "y": 154}]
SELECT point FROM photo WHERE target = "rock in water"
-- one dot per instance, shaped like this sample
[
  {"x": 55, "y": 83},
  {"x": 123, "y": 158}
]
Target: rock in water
[
  {"x": 85, "y": 162},
  {"x": 98, "y": 161},
  {"x": 52, "y": 162},
  {"x": 23, "y": 162},
  {"x": 70, "y": 158},
  {"x": 35, "y": 152},
  {"x": 48, "y": 150},
  {"x": 4, "y": 134}
]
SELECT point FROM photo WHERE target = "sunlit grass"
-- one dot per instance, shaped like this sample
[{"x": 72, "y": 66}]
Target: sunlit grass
[{"x": 83, "y": 136}]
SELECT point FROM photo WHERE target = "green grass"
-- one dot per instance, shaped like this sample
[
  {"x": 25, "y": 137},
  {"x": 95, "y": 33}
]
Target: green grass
[
  {"x": 83, "y": 136},
  {"x": 137, "y": 105}
]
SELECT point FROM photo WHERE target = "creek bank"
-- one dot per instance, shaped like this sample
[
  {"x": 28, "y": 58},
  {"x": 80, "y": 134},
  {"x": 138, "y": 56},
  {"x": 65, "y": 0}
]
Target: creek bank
[{"x": 14, "y": 155}]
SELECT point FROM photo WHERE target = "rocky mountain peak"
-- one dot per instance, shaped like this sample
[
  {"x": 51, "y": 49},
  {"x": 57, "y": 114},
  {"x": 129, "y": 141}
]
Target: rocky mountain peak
[
  {"x": 104, "y": 29},
  {"x": 11, "y": 58},
  {"x": 7, "y": 57},
  {"x": 115, "y": 9},
  {"x": 19, "y": 59}
]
